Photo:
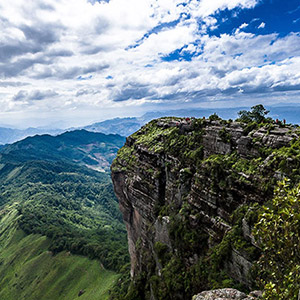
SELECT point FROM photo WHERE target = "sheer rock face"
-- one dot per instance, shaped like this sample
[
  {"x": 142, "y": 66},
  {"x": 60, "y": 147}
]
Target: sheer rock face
[
  {"x": 146, "y": 179},
  {"x": 138, "y": 194}
]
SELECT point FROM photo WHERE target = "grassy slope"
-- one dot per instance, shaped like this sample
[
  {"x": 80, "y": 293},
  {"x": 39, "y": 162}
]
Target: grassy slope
[
  {"x": 51, "y": 203},
  {"x": 29, "y": 271},
  {"x": 72, "y": 205}
]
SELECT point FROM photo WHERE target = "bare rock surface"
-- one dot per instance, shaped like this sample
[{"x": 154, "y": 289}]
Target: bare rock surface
[{"x": 223, "y": 294}]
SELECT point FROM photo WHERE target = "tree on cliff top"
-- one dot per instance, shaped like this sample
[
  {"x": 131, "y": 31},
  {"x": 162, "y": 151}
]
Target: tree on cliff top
[{"x": 257, "y": 114}]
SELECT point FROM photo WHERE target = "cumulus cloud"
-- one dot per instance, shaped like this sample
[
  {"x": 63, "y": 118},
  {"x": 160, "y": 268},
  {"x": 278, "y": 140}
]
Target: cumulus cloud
[
  {"x": 208, "y": 7},
  {"x": 112, "y": 53},
  {"x": 35, "y": 95}
]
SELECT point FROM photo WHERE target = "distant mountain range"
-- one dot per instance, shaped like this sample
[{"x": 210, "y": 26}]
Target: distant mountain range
[
  {"x": 127, "y": 126},
  {"x": 94, "y": 150},
  {"x": 11, "y": 135},
  {"x": 121, "y": 126}
]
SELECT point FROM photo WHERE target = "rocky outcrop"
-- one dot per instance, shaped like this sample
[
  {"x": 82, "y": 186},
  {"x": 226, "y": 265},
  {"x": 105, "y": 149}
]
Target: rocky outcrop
[
  {"x": 186, "y": 190},
  {"x": 227, "y": 294}
]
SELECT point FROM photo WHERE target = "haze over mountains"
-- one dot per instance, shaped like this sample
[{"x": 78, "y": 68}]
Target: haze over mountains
[
  {"x": 10, "y": 135},
  {"x": 128, "y": 125}
]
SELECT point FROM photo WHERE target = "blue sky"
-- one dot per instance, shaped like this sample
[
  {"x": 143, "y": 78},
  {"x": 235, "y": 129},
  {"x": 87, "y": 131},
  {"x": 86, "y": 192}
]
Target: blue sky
[
  {"x": 73, "y": 62},
  {"x": 279, "y": 16}
]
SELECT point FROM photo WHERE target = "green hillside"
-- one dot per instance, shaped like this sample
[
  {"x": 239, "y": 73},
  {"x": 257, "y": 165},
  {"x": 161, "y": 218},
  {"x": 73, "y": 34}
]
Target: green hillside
[
  {"x": 94, "y": 150},
  {"x": 61, "y": 230},
  {"x": 29, "y": 271}
]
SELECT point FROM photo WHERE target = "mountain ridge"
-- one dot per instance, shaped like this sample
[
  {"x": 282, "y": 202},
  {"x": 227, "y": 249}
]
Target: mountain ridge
[
  {"x": 128, "y": 125},
  {"x": 95, "y": 150}
]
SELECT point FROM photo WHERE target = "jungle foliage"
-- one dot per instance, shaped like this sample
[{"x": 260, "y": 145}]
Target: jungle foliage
[{"x": 28, "y": 270}]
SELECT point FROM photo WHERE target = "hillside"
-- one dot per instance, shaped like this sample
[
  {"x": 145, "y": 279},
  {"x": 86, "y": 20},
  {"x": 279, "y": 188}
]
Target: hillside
[
  {"x": 94, "y": 150},
  {"x": 28, "y": 270},
  {"x": 60, "y": 225},
  {"x": 191, "y": 192}
]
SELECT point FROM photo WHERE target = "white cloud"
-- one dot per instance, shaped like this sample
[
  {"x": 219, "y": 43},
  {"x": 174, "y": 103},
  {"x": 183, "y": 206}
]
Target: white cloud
[
  {"x": 119, "y": 46},
  {"x": 262, "y": 25},
  {"x": 207, "y": 7},
  {"x": 244, "y": 25}
]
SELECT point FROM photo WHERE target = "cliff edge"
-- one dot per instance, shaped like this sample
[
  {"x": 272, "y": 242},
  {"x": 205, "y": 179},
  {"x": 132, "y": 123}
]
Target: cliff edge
[{"x": 189, "y": 190}]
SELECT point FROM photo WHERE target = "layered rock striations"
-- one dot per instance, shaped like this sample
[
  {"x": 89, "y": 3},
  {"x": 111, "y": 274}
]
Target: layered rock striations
[{"x": 189, "y": 190}]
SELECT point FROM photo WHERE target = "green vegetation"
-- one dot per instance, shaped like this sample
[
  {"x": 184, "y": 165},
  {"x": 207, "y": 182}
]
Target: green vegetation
[
  {"x": 153, "y": 137},
  {"x": 278, "y": 233},
  {"x": 243, "y": 182},
  {"x": 169, "y": 140},
  {"x": 121, "y": 289},
  {"x": 214, "y": 117},
  {"x": 224, "y": 135},
  {"x": 61, "y": 230},
  {"x": 28, "y": 270},
  {"x": 75, "y": 208},
  {"x": 257, "y": 114},
  {"x": 95, "y": 150}
]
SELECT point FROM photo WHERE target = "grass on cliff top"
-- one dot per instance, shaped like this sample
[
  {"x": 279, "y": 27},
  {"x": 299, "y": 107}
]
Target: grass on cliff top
[
  {"x": 28, "y": 271},
  {"x": 163, "y": 138},
  {"x": 153, "y": 137}
]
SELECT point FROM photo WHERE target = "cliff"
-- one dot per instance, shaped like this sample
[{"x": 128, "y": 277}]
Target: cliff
[{"x": 189, "y": 190}]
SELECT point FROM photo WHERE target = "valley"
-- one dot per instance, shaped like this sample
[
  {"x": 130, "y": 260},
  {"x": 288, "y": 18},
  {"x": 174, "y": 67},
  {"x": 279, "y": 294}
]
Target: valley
[
  {"x": 150, "y": 150},
  {"x": 61, "y": 231}
]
